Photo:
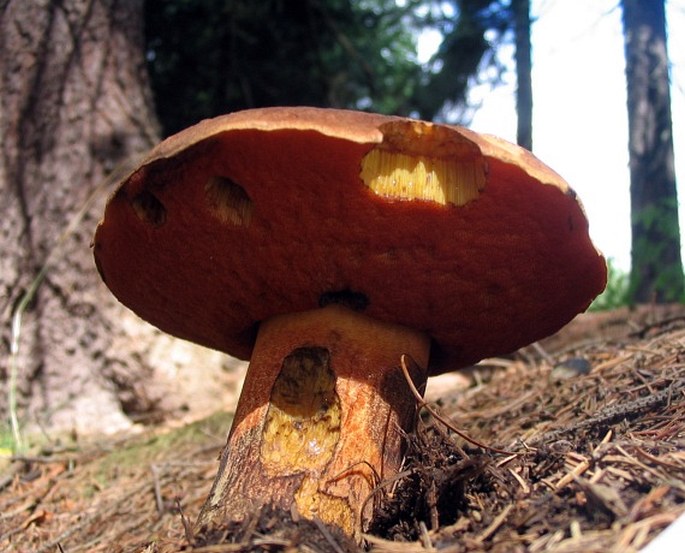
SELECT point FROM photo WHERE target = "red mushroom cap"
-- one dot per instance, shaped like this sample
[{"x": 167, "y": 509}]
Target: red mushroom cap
[{"x": 270, "y": 211}]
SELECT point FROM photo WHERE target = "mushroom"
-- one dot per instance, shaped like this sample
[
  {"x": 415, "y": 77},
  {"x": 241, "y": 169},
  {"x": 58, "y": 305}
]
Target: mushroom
[{"x": 323, "y": 245}]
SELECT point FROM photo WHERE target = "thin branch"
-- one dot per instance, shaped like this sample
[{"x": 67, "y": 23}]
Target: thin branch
[{"x": 445, "y": 421}]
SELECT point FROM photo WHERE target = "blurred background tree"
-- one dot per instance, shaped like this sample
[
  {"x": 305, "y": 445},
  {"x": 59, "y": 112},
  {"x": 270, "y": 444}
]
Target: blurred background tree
[
  {"x": 75, "y": 106},
  {"x": 471, "y": 31},
  {"x": 524, "y": 79},
  {"x": 207, "y": 57},
  {"x": 656, "y": 266}
]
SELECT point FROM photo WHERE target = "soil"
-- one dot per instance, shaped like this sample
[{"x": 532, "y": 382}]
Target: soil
[{"x": 582, "y": 449}]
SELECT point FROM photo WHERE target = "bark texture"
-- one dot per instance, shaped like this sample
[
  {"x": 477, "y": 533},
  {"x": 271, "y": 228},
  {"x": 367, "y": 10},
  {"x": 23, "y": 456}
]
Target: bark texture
[
  {"x": 657, "y": 273},
  {"x": 74, "y": 107}
]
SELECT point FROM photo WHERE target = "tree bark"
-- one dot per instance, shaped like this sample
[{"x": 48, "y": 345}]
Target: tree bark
[
  {"x": 524, "y": 85},
  {"x": 74, "y": 107},
  {"x": 656, "y": 274}
]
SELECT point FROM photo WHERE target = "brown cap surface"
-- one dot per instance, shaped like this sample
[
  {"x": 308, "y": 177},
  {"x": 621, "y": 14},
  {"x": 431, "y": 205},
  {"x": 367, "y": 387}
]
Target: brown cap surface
[{"x": 265, "y": 212}]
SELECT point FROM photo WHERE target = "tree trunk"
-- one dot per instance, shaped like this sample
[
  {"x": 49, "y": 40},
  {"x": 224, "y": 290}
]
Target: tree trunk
[
  {"x": 656, "y": 273},
  {"x": 524, "y": 86},
  {"x": 74, "y": 108}
]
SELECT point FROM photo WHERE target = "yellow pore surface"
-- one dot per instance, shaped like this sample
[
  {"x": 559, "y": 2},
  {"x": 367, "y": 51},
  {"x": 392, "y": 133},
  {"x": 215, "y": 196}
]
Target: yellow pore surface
[{"x": 441, "y": 180}]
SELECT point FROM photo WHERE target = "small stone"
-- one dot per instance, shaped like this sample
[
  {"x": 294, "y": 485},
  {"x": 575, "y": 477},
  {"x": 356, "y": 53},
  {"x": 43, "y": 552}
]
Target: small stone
[{"x": 571, "y": 368}]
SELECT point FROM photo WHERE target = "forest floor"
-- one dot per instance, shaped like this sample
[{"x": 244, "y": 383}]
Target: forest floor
[{"x": 592, "y": 420}]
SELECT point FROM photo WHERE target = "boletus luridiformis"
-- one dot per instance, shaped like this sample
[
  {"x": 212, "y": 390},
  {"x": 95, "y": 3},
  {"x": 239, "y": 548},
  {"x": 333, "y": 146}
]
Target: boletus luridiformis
[{"x": 322, "y": 245}]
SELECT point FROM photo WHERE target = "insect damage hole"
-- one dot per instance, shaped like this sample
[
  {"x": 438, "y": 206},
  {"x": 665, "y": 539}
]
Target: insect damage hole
[
  {"x": 357, "y": 301},
  {"x": 303, "y": 421},
  {"x": 228, "y": 201},
  {"x": 149, "y": 209},
  {"x": 302, "y": 430},
  {"x": 420, "y": 161}
]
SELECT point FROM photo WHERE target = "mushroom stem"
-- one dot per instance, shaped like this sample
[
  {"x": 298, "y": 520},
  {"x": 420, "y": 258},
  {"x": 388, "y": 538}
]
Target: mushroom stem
[{"x": 320, "y": 419}]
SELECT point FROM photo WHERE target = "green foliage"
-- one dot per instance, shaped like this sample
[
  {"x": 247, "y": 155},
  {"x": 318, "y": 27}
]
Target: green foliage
[
  {"x": 145, "y": 450},
  {"x": 7, "y": 442},
  {"x": 616, "y": 292},
  {"x": 471, "y": 38},
  {"x": 657, "y": 274},
  {"x": 215, "y": 56},
  {"x": 207, "y": 57}
]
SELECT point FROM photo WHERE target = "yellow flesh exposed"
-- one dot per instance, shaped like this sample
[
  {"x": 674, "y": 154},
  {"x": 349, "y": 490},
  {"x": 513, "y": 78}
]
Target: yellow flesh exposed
[
  {"x": 303, "y": 422},
  {"x": 302, "y": 429},
  {"x": 404, "y": 177}
]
